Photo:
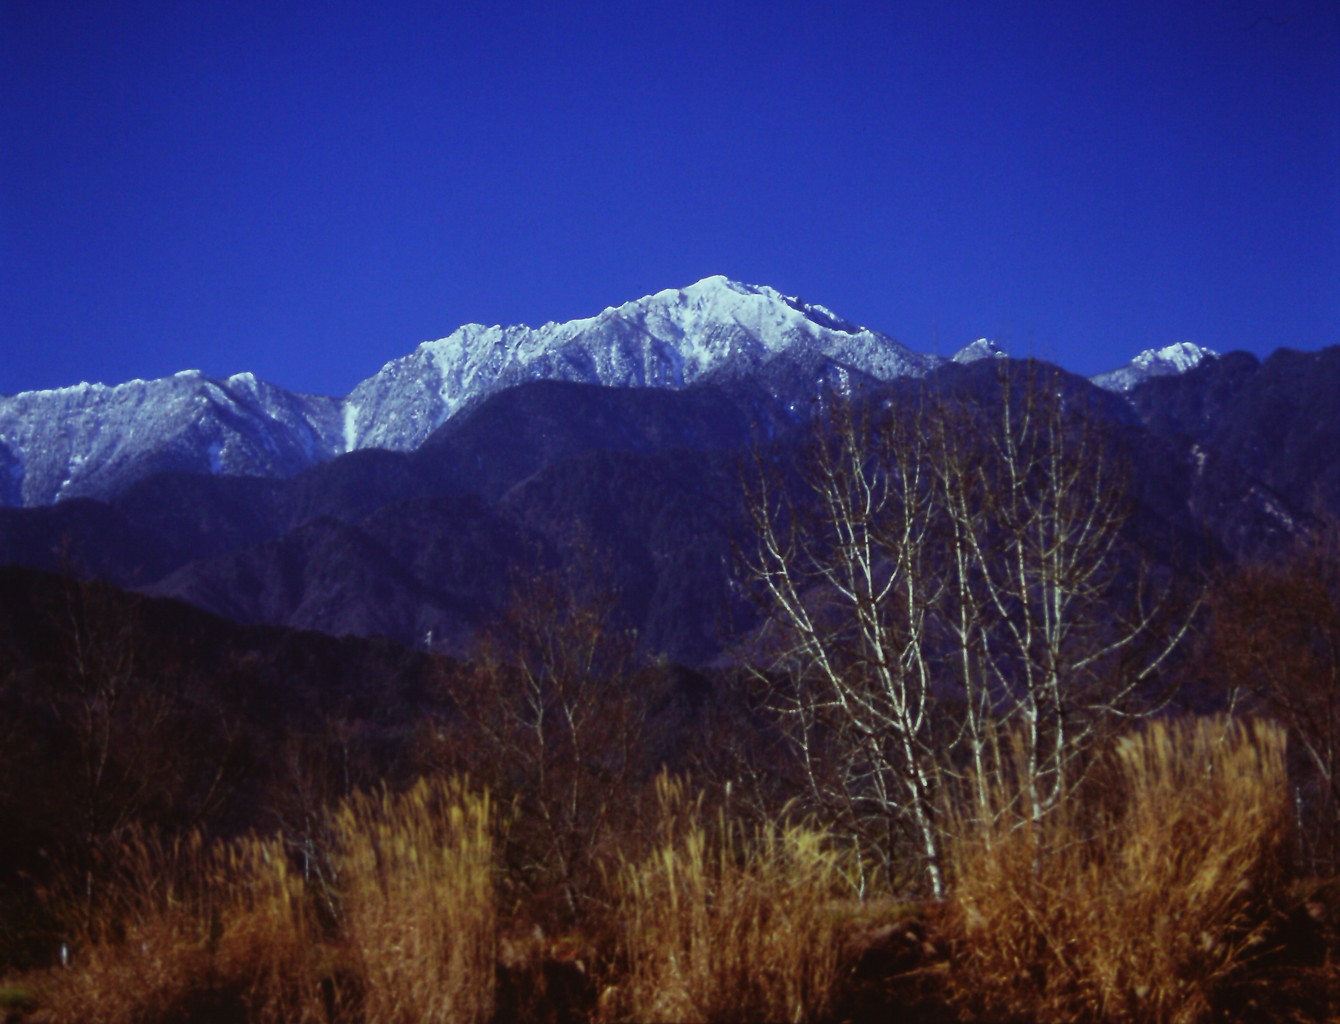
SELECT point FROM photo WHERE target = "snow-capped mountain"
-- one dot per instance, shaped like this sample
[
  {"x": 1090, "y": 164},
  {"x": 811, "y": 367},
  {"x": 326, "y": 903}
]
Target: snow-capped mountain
[
  {"x": 982, "y": 348},
  {"x": 92, "y": 439},
  {"x": 95, "y": 440},
  {"x": 1155, "y": 362},
  {"x": 714, "y": 328}
]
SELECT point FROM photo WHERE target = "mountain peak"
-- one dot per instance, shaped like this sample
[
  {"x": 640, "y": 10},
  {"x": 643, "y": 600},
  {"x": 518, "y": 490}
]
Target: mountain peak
[
  {"x": 716, "y": 326},
  {"x": 720, "y": 282},
  {"x": 1167, "y": 361},
  {"x": 711, "y": 291},
  {"x": 723, "y": 297},
  {"x": 1175, "y": 358},
  {"x": 982, "y": 348},
  {"x": 91, "y": 439}
]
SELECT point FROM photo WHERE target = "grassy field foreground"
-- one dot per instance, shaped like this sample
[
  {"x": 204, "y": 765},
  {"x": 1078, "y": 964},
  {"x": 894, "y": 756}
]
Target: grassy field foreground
[{"x": 1163, "y": 895}]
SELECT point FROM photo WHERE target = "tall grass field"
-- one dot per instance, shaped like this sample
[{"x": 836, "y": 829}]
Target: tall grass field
[{"x": 1161, "y": 893}]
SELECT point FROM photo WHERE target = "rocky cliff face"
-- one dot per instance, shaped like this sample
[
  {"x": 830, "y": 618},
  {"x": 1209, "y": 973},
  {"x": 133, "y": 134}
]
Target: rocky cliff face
[
  {"x": 715, "y": 328},
  {"x": 92, "y": 440}
]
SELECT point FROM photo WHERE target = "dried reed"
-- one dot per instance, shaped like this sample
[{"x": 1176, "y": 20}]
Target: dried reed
[
  {"x": 183, "y": 930},
  {"x": 415, "y": 874},
  {"x": 719, "y": 926},
  {"x": 1150, "y": 912}
]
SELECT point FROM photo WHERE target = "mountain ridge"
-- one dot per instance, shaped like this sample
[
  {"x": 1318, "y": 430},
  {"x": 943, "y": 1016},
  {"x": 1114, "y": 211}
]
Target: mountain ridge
[
  {"x": 94, "y": 440},
  {"x": 670, "y": 339},
  {"x": 420, "y": 546}
]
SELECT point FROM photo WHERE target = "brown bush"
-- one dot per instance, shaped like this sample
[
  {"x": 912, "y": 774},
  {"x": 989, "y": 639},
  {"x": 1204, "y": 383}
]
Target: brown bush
[
  {"x": 1151, "y": 913},
  {"x": 715, "y": 925},
  {"x": 183, "y": 930}
]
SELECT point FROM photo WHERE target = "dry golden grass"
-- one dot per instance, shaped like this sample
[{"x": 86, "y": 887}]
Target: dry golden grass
[
  {"x": 1152, "y": 913},
  {"x": 717, "y": 926},
  {"x": 1150, "y": 901},
  {"x": 415, "y": 873},
  {"x": 183, "y": 930}
]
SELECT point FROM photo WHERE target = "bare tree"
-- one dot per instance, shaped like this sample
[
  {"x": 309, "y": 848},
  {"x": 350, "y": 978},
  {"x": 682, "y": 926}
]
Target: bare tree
[
  {"x": 554, "y": 718},
  {"x": 116, "y": 716},
  {"x": 939, "y": 570},
  {"x": 844, "y": 573},
  {"x": 1071, "y": 628},
  {"x": 135, "y": 749}
]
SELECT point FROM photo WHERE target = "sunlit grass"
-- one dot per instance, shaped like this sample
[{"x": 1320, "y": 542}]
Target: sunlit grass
[
  {"x": 187, "y": 930},
  {"x": 415, "y": 875},
  {"x": 1149, "y": 913},
  {"x": 184, "y": 929},
  {"x": 1155, "y": 896},
  {"x": 717, "y": 925}
]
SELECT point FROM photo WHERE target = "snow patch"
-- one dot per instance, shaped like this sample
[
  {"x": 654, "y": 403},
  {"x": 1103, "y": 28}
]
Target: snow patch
[
  {"x": 350, "y": 425},
  {"x": 214, "y": 455},
  {"x": 1168, "y": 361},
  {"x": 982, "y": 348}
]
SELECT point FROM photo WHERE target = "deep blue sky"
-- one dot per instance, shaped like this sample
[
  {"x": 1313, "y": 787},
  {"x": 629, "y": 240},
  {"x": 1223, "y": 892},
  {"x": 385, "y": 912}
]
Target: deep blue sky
[{"x": 307, "y": 189}]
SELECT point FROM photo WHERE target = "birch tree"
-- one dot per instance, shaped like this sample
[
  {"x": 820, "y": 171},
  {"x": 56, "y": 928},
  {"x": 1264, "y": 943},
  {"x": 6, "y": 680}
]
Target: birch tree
[
  {"x": 936, "y": 571},
  {"x": 846, "y": 575},
  {"x": 1073, "y": 627}
]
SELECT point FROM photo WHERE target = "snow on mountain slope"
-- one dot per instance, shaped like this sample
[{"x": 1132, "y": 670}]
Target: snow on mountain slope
[
  {"x": 982, "y": 348},
  {"x": 670, "y": 339},
  {"x": 94, "y": 439},
  {"x": 1155, "y": 362}
]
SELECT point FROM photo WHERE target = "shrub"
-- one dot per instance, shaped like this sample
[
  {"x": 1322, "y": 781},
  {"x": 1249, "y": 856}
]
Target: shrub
[
  {"x": 1150, "y": 912},
  {"x": 715, "y": 925},
  {"x": 181, "y": 930},
  {"x": 415, "y": 877}
]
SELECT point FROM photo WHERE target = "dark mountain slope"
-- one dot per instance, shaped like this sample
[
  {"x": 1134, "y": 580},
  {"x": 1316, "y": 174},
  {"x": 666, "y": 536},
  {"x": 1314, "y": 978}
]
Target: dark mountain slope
[
  {"x": 162, "y": 523},
  {"x": 325, "y": 575},
  {"x": 428, "y": 571},
  {"x": 421, "y": 546},
  {"x": 1264, "y": 439},
  {"x": 424, "y": 572},
  {"x": 662, "y": 521}
]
